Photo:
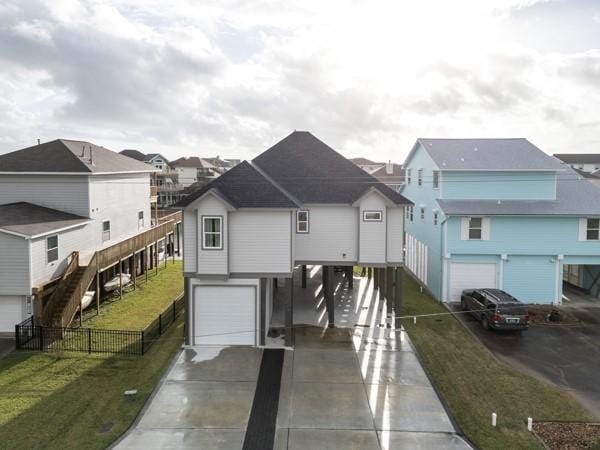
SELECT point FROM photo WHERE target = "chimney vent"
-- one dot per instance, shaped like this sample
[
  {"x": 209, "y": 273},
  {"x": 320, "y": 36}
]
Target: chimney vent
[
  {"x": 38, "y": 141},
  {"x": 389, "y": 168}
]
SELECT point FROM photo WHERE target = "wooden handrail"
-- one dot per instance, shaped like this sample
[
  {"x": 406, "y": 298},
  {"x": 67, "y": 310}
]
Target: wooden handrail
[
  {"x": 100, "y": 260},
  {"x": 61, "y": 287}
]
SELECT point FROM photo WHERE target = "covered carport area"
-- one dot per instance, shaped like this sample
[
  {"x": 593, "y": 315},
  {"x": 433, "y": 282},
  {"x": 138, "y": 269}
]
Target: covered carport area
[{"x": 581, "y": 279}]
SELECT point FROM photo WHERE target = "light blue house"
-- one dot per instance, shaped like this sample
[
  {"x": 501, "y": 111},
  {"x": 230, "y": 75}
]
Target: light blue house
[{"x": 498, "y": 213}]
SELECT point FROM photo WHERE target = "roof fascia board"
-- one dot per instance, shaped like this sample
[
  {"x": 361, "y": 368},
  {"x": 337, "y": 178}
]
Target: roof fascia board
[
  {"x": 502, "y": 170},
  {"x": 215, "y": 193},
  {"x": 454, "y": 214},
  {"x": 412, "y": 152},
  {"x": 372, "y": 189},
  {"x": 150, "y": 170},
  {"x": 60, "y": 230},
  {"x": 14, "y": 233}
]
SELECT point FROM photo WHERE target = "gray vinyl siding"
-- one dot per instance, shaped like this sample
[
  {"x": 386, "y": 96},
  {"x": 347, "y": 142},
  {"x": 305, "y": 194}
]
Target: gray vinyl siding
[
  {"x": 75, "y": 239},
  {"x": 333, "y": 232},
  {"x": 14, "y": 265},
  {"x": 190, "y": 223},
  {"x": 65, "y": 193},
  {"x": 372, "y": 239},
  {"x": 395, "y": 234},
  {"x": 212, "y": 262},
  {"x": 118, "y": 198},
  {"x": 260, "y": 241}
]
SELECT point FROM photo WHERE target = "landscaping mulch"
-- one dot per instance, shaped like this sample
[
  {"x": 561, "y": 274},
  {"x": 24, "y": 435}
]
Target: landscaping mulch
[
  {"x": 538, "y": 314},
  {"x": 568, "y": 435}
]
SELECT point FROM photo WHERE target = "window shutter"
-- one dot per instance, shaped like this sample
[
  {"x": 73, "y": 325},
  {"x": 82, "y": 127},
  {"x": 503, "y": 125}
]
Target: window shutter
[
  {"x": 464, "y": 229},
  {"x": 583, "y": 229},
  {"x": 485, "y": 229}
]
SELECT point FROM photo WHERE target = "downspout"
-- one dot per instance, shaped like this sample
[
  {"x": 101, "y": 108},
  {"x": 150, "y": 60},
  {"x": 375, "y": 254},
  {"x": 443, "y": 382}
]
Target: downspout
[{"x": 444, "y": 293}]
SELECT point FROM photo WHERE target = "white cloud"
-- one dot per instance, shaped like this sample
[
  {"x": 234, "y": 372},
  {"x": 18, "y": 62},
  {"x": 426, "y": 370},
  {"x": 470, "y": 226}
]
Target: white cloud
[{"x": 233, "y": 77}]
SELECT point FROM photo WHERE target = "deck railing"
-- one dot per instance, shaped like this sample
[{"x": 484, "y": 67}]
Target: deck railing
[{"x": 99, "y": 261}]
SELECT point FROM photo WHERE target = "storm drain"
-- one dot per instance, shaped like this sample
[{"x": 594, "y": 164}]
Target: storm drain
[{"x": 260, "y": 433}]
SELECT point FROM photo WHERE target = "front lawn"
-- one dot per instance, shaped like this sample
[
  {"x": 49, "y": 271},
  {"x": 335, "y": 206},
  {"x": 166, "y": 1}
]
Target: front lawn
[
  {"x": 139, "y": 308},
  {"x": 74, "y": 400},
  {"x": 474, "y": 384}
]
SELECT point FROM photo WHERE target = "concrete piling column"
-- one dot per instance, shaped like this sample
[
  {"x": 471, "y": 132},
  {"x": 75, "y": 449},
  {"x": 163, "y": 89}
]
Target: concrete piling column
[
  {"x": 375, "y": 278},
  {"x": 304, "y": 276},
  {"x": 381, "y": 283},
  {"x": 389, "y": 289},
  {"x": 369, "y": 273},
  {"x": 289, "y": 311},
  {"x": 398, "y": 298},
  {"x": 328, "y": 293}
]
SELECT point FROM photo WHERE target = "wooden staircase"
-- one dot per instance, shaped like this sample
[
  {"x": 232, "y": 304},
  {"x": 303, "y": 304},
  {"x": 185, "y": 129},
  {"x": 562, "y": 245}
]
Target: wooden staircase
[{"x": 72, "y": 287}]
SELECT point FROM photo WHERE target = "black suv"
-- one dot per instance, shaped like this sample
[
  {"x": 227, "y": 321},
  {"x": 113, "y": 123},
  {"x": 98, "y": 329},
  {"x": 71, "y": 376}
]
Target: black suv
[{"x": 495, "y": 309}]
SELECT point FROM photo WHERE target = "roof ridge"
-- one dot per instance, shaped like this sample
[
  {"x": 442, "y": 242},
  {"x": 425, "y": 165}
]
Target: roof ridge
[{"x": 274, "y": 183}]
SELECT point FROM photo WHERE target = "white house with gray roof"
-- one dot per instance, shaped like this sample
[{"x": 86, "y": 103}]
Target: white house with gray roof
[
  {"x": 298, "y": 203},
  {"x": 498, "y": 213},
  {"x": 56, "y": 198}
]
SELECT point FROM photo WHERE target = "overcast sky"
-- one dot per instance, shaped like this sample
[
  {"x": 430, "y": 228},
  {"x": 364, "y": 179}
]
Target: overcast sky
[{"x": 233, "y": 77}]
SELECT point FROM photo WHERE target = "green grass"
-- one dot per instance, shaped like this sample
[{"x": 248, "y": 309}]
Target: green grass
[
  {"x": 73, "y": 400},
  {"x": 139, "y": 308},
  {"x": 474, "y": 384}
]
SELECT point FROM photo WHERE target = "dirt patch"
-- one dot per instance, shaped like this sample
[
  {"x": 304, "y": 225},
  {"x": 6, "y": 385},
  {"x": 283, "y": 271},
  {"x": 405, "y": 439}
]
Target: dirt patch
[
  {"x": 540, "y": 314},
  {"x": 568, "y": 436}
]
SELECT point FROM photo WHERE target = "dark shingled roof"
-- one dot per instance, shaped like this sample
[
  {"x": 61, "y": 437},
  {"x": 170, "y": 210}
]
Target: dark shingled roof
[
  {"x": 135, "y": 154},
  {"x": 32, "y": 220},
  {"x": 313, "y": 172},
  {"x": 62, "y": 155},
  {"x": 192, "y": 161},
  {"x": 579, "y": 158},
  {"x": 244, "y": 187}
]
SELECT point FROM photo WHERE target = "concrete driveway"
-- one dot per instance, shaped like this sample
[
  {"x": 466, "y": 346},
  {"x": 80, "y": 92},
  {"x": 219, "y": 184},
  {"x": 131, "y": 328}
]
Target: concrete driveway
[
  {"x": 341, "y": 389},
  {"x": 566, "y": 355}
]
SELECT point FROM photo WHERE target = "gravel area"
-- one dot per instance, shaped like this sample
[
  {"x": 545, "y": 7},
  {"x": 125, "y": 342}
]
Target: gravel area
[{"x": 568, "y": 436}]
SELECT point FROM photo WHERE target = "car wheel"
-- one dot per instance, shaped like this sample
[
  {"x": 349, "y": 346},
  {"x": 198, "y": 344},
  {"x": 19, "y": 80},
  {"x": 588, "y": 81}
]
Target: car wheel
[{"x": 485, "y": 323}]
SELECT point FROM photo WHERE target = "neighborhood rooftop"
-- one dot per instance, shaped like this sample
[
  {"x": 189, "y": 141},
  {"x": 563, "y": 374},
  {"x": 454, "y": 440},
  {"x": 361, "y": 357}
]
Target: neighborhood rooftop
[
  {"x": 32, "y": 220},
  {"x": 66, "y": 156},
  {"x": 192, "y": 161},
  {"x": 488, "y": 154},
  {"x": 579, "y": 158}
]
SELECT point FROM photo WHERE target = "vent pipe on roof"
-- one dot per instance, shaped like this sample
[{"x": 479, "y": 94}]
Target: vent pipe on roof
[
  {"x": 389, "y": 167},
  {"x": 82, "y": 151},
  {"x": 38, "y": 141}
]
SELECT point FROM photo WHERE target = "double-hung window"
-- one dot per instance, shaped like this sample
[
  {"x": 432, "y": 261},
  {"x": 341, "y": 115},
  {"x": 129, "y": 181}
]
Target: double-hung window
[
  {"x": 422, "y": 213},
  {"x": 592, "y": 232},
  {"x": 372, "y": 216},
  {"x": 140, "y": 220},
  {"x": 436, "y": 179},
  {"x": 420, "y": 177},
  {"x": 106, "y": 231},
  {"x": 52, "y": 248},
  {"x": 212, "y": 232},
  {"x": 435, "y": 218},
  {"x": 475, "y": 228},
  {"x": 410, "y": 213},
  {"x": 302, "y": 225}
]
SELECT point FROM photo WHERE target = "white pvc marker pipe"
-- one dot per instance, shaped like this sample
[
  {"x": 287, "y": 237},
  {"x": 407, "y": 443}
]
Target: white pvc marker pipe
[
  {"x": 415, "y": 319},
  {"x": 529, "y": 424},
  {"x": 493, "y": 419}
]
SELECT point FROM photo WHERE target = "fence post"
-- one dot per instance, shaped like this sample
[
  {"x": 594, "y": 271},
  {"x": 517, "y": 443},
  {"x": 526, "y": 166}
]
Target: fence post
[
  {"x": 41, "y": 330},
  {"x": 17, "y": 337},
  {"x": 89, "y": 340},
  {"x": 160, "y": 324},
  {"x": 142, "y": 342}
]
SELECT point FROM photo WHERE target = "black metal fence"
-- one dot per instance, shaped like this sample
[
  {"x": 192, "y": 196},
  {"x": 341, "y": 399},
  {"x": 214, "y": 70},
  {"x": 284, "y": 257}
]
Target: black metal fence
[{"x": 33, "y": 337}]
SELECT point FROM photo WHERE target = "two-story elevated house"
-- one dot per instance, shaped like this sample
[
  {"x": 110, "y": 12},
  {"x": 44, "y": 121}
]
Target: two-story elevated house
[
  {"x": 299, "y": 203},
  {"x": 497, "y": 213},
  {"x": 58, "y": 198}
]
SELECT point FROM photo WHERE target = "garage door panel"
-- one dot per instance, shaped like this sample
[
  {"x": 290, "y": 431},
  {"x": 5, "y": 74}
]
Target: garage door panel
[
  {"x": 11, "y": 312},
  {"x": 470, "y": 276},
  {"x": 225, "y": 315}
]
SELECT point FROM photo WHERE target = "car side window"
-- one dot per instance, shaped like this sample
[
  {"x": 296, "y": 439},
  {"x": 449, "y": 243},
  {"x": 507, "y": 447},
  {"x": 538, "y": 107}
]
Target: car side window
[{"x": 479, "y": 298}]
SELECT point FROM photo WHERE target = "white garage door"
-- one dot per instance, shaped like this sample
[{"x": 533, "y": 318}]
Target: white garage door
[
  {"x": 225, "y": 315},
  {"x": 471, "y": 276},
  {"x": 11, "y": 312}
]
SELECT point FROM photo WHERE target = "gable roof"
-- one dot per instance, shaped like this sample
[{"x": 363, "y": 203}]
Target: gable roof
[
  {"x": 244, "y": 186},
  {"x": 313, "y": 172},
  {"x": 574, "y": 196},
  {"x": 192, "y": 161},
  {"x": 66, "y": 156},
  {"x": 579, "y": 158},
  {"x": 132, "y": 153},
  {"x": 29, "y": 220},
  {"x": 487, "y": 154}
]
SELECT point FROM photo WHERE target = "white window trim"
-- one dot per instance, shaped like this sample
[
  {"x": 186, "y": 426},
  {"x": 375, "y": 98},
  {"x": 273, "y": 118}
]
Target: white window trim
[
  {"x": 584, "y": 227},
  {"x": 420, "y": 177},
  {"x": 435, "y": 218},
  {"x": 411, "y": 213},
  {"x": 307, "y": 221},
  {"x": 365, "y": 212},
  {"x": 220, "y": 232},
  {"x": 485, "y": 228},
  {"x": 53, "y": 248},
  {"x": 109, "y": 229}
]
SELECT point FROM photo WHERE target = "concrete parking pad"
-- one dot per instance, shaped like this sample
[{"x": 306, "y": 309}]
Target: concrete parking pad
[
  {"x": 330, "y": 405},
  {"x": 326, "y": 366},
  {"x": 200, "y": 404},
  {"x": 407, "y": 408},
  {"x": 183, "y": 439},
  {"x": 391, "y": 440},
  {"x": 332, "y": 440},
  {"x": 392, "y": 367}
]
